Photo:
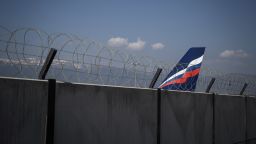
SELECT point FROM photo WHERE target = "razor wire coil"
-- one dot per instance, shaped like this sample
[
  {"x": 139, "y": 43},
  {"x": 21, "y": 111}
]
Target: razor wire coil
[{"x": 23, "y": 52}]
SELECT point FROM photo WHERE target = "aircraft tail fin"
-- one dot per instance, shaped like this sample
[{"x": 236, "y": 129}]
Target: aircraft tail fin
[{"x": 185, "y": 74}]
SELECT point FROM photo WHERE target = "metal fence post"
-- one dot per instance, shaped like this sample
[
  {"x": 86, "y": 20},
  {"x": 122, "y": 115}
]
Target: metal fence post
[
  {"x": 47, "y": 63},
  {"x": 213, "y": 118},
  {"x": 246, "y": 135},
  {"x": 157, "y": 74},
  {"x": 210, "y": 85},
  {"x": 159, "y": 99},
  {"x": 50, "y": 111},
  {"x": 243, "y": 89}
]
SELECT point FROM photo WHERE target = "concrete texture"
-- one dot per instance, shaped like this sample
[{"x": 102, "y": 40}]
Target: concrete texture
[
  {"x": 229, "y": 119},
  {"x": 22, "y": 111},
  {"x": 104, "y": 115},
  {"x": 251, "y": 120},
  {"x": 186, "y": 118},
  {"x": 112, "y": 115}
]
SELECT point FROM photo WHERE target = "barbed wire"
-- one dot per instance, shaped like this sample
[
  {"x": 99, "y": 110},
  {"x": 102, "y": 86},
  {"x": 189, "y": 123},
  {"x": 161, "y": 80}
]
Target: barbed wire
[{"x": 23, "y": 52}]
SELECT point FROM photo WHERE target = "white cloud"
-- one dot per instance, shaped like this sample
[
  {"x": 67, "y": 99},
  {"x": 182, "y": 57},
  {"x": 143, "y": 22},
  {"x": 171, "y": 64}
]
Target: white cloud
[
  {"x": 157, "y": 46},
  {"x": 138, "y": 45},
  {"x": 118, "y": 42},
  {"x": 233, "y": 53}
]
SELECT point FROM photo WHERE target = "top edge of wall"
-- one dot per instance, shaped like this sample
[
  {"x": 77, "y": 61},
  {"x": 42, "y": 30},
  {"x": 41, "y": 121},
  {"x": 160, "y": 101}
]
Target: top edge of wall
[
  {"x": 113, "y": 86},
  {"x": 126, "y": 87},
  {"x": 26, "y": 79}
]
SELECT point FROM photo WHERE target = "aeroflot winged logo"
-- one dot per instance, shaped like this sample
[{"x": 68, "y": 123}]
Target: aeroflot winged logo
[{"x": 185, "y": 74}]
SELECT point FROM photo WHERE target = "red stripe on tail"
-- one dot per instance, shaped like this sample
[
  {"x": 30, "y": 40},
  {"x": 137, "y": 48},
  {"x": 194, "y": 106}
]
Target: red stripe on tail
[{"x": 184, "y": 78}]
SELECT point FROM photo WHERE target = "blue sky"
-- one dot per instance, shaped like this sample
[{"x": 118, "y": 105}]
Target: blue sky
[{"x": 226, "y": 27}]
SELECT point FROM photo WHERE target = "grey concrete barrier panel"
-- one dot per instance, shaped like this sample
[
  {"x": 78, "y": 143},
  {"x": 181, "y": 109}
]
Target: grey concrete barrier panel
[
  {"x": 186, "y": 118},
  {"x": 104, "y": 115},
  {"x": 23, "y": 108},
  {"x": 251, "y": 120},
  {"x": 229, "y": 119}
]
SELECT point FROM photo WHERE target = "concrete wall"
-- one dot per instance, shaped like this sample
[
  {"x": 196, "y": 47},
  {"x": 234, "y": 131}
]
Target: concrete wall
[
  {"x": 22, "y": 111},
  {"x": 103, "y": 114},
  {"x": 229, "y": 119},
  {"x": 186, "y": 118},
  {"x": 251, "y": 120}
]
